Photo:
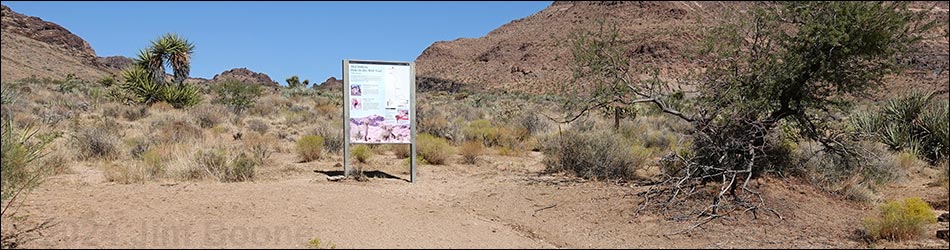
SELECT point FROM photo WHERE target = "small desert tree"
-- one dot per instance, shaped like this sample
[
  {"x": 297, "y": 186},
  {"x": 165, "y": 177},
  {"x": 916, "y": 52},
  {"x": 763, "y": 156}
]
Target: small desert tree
[
  {"x": 294, "y": 82},
  {"x": 793, "y": 64}
]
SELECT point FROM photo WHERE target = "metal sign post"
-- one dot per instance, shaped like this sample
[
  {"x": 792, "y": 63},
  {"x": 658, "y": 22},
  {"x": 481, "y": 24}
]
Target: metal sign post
[{"x": 380, "y": 98}]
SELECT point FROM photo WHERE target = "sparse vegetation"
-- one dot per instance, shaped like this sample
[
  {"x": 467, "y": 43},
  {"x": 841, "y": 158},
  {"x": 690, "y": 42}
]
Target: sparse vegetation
[
  {"x": 238, "y": 96},
  {"x": 310, "y": 147},
  {"x": 591, "y": 154},
  {"x": 361, "y": 153},
  {"x": 258, "y": 125},
  {"x": 315, "y": 244},
  {"x": 207, "y": 116},
  {"x": 95, "y": 143},
  {"x": 899, "y": 220},
  {"x": 471, "y": 150},
  {"x": 333, "y": 138},
  {"x": 21, "y": 148},
  {"x": 433, "y": 149},
  {"x": 400, "y": 150}
]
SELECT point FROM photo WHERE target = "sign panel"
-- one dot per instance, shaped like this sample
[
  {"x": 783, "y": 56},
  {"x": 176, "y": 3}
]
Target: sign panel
[
  {"x": 379, "y": 101},
  {"x": 380, "y": 106}
]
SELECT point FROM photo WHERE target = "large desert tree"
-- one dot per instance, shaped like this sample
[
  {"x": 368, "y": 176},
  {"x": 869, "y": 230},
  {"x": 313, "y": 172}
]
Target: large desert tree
[{"x": 793, "y": 65}]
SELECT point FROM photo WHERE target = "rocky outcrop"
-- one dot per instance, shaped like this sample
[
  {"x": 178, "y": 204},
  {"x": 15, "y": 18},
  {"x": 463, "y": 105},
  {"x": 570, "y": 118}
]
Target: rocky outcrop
[
  {"x": 113, "y": 63},
  {"x": 245, "y": 75},
  {"x": 47, "y": 32},
  {"x": 331, "y": 84}
]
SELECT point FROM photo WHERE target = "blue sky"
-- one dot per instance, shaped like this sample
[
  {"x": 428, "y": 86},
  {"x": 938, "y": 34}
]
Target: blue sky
[{"x": 308, "y": 39}]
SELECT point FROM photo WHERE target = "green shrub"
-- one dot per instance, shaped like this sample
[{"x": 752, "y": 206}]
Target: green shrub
[
  {"x": 489, "y": 135},
  {"x": 237, "y": 95},
  {"x": 592, "y": 154},
  {"x": 471, "y": 150},
  {"x": 310, "y": 147},
  {"x": 361, "y": 153},
  {"x": 433, "y": 149},
  {"x": 107, "y": 81},
  {"x": 899, "y": 221}
]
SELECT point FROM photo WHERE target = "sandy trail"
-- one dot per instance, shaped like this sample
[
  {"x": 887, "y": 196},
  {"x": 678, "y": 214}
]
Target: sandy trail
[{"x": 502, "y": 202}]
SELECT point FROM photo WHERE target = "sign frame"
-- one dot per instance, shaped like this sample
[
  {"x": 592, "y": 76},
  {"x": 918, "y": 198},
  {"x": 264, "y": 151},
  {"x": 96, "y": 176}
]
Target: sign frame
[{"x": 412, "y": 113}]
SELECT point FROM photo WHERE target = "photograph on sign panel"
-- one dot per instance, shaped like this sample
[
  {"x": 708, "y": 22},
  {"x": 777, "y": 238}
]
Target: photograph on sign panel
[
  {"x": 375, "y": 129},
  {"x": 356, "y": 104}
]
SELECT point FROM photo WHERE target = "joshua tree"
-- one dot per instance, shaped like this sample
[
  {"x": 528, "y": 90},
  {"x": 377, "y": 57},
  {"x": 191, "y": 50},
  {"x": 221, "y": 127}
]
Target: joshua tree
[
  {"x": 170, "y": 49},
  {"x": 145, "y": 78}
]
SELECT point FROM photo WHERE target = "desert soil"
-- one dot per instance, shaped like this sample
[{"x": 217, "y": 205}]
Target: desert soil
[{"x": 500, "y": 202}]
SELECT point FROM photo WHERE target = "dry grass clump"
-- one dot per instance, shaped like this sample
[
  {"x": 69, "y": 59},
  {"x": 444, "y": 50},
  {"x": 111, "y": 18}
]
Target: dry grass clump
[
  {"x": 95, "y": 143},
  {"x": 208, "y": 115},
  {"x": 214, "y": 163},
  {"x": 310, "y": 147},
  {"x": 258, "y": 125},
  {"x": 470, "y": 151}
]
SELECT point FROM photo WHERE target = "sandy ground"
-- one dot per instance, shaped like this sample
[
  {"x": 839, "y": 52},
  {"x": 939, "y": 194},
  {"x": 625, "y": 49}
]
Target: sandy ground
[{"x": 501, "y": 202}]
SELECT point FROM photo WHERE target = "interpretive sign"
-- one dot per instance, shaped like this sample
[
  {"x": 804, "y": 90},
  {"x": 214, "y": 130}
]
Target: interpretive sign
[{"x": 380, "y": 104}]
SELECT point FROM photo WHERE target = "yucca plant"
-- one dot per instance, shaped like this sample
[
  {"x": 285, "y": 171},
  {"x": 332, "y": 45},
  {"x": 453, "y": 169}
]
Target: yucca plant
[
  {"x": 181, "y": 96},
  {"x": 21, "y": 147},
  {"x": 145, "y": 79},
  {"x": 914, "y": 122},
  {"x": 7, "y": 95}
]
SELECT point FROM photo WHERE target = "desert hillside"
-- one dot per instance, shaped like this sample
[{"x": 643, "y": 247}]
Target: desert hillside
[
  {"x": 532, "y": 53},
  {"x": 34, "y": 47}
]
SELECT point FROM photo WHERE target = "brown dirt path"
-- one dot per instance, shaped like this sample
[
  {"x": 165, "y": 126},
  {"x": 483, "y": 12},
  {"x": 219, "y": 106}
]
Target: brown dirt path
[{"x": 501, "y": 202}]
